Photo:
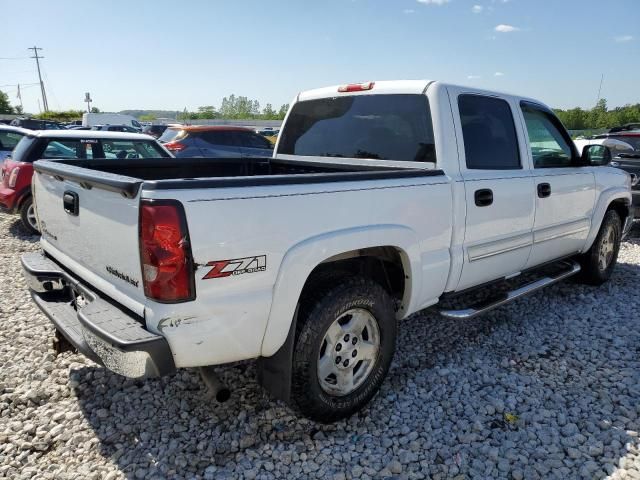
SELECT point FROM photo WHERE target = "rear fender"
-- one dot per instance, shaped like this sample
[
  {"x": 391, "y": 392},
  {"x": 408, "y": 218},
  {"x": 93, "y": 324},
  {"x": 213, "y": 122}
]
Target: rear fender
[{"x": 302, "y": 258}]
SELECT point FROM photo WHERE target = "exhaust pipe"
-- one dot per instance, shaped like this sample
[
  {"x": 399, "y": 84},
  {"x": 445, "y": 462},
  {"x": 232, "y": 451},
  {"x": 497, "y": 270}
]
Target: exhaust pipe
[{"x": 215, "y": 386}]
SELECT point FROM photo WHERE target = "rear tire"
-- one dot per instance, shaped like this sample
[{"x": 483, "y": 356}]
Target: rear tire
[
  {"x": 600, "y": 260},
  {"x": 28, "y": 216},
  {"x": 344, "y": 345}
]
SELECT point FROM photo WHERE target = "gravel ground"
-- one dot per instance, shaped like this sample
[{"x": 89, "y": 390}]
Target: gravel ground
[{"x": 548, "y": 387}]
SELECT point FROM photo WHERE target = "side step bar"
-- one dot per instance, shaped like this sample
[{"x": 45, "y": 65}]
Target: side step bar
[{"x": 495, "y": 302}]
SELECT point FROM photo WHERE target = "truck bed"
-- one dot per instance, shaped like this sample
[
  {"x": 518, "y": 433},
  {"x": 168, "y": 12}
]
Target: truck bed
[{"x": 126, "y": 176}]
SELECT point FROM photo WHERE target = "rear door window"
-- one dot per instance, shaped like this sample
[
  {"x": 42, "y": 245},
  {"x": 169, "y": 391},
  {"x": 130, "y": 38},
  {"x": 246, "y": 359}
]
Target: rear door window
[
  {"x": 253, "y": 140},
  {"x": 218, "y": 137},
  {"x": 489, "y": 133},
  {"x": 384, "y": 127},
  {"x": 9, "y": 140}
]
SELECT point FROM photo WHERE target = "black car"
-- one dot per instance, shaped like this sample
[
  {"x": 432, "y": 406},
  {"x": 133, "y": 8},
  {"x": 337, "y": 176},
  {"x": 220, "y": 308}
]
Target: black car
[
  {"x": 154, "y": 130},
  {"x": 33, "y": 124},
  {"x": 624, "y": 143}
]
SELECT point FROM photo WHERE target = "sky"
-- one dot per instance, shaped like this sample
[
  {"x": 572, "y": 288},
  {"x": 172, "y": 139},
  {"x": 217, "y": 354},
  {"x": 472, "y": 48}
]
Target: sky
[{"x": 184, "y": 54}]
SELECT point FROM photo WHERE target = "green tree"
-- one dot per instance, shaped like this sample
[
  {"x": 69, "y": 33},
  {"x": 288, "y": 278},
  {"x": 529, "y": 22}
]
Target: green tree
[
  {"x": 147, "y": 118},
  {"x": 95, "y": 110},
  {"x": 268, "y": 113},
  {"x": 61, "y": 116},
  {"x": 5, "y": 106},
  {"x": 206, "y": 112},
  {"x": 283, "y": 111}
]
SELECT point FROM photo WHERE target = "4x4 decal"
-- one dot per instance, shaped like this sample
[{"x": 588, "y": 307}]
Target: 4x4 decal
[{"x": 236, "y": 266}]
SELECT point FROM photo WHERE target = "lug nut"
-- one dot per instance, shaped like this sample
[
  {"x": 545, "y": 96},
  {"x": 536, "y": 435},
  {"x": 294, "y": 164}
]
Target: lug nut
[
  {"x": 346, "y": 363},
  {"x": 338, "y": 360},
  {"x": 346, "y": 337},
  {"x": 354, "y": 340},
  {"x": 338, "y": 347},
  {"x": 354, "y": 353}
]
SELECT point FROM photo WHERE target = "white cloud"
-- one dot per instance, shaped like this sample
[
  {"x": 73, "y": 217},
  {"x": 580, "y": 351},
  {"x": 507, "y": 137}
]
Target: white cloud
[
  {"x": 498, "y": 74},
  {"x": 408, "y": 11},
  {"x": 624, "y": 38},
  {"x": 477, "y": 9},
  {"x": 473, "y": 77},
  {"x": 502, "y": 28},
  {"x": 433, "y": 2}
]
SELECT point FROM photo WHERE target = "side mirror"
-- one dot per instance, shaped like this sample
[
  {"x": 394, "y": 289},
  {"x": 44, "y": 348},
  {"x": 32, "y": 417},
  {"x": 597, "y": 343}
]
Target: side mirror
[{"x": 596, "y": 155}]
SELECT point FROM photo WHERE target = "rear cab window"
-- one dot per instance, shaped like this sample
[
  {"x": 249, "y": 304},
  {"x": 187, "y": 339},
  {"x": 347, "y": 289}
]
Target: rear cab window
[
  {"x": 70, "y": 148},
  {"x": 382, "y": 127}
]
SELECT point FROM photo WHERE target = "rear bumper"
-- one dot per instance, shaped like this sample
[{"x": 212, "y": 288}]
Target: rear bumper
[
  {"x": 107, "y": 333},
  {"x": 8, "y": 200}
]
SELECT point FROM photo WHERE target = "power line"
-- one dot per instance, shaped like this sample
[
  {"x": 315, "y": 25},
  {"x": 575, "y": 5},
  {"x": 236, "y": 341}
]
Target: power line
[{"x": 44, "y": 95}]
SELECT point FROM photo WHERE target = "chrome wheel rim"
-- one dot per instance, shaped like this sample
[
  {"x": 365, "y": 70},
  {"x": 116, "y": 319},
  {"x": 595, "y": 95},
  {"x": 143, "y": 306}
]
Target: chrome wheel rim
[
  {"x": 31, "y": 217},
  {"x": 607, "y": 248},
  {"x": 348, "y": 352}
]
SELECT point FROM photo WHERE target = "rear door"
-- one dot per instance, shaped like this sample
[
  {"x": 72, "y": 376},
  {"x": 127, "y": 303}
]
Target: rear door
[
  {"x": 217, "y": 143},
  {"x": 253, "y": 145},
  {"x": 565, "y": 190},
  {"x": 498, "y": 187}
]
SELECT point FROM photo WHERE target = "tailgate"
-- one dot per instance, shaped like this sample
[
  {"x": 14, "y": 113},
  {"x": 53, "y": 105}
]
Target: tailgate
[{"x": 89, "y": 223}]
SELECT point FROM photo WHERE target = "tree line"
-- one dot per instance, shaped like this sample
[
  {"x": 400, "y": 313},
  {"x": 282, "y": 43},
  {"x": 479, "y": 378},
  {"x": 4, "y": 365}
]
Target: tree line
[
  {"x": 599, "y": 116},
  {"x": 244, "y": 108}
]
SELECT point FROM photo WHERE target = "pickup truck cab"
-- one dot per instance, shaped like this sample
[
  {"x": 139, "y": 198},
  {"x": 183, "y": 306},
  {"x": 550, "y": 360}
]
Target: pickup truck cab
[
  {"x": 17, "y": 168},
  {"x": 381, "y": 199}
]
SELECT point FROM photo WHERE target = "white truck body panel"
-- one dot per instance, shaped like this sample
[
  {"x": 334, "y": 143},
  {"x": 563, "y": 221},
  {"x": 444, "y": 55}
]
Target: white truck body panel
[
  {"x": 92, "y": 119},
  {"x": 445, "y": 240}
]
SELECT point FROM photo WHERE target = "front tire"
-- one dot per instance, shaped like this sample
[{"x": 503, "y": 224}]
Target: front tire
[
  {"x": 600, "y": 260},
  {"x": 28, "y": 216},
  {"x": 345, "y": 341}
]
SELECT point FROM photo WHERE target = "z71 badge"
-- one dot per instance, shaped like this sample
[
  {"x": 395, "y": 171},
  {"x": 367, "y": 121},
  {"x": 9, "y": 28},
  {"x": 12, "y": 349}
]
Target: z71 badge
[{"x": 237, "y": 266}]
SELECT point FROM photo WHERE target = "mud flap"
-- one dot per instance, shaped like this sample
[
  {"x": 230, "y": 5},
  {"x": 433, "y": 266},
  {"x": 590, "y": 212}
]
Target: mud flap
[{"x": 274, "y": 373}]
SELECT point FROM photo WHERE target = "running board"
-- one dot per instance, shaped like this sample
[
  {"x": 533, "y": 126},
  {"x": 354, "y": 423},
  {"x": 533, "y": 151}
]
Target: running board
[{"x": 495, "y": 302}]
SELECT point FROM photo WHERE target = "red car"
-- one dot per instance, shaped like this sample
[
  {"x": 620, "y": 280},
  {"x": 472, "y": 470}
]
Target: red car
[{"x": 15, "y": 190}]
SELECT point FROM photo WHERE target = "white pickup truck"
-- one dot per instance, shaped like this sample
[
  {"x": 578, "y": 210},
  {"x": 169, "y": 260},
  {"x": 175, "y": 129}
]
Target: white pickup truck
[{"x": 381, "y": 199}]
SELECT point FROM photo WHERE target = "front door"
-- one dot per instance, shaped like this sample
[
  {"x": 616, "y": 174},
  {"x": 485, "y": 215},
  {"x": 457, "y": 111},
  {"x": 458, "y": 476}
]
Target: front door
[
  {"x": 565, "y": 191},
  {"x": 498, "y": 187}
]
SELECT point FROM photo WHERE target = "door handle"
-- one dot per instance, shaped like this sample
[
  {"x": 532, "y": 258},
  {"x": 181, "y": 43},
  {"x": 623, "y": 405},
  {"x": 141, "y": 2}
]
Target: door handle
[
  {"x": 483, "y": 197},
  {"x": 544, "y": 190}
]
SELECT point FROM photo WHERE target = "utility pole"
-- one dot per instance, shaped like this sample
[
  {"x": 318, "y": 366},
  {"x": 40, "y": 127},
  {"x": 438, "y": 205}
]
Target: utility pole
[
  {"x": 44, "y": 95},
  {"x": 600, "y": 89}
]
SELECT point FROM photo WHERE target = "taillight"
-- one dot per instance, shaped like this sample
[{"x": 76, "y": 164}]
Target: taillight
[
  {"x": 13, "y": 177},
  {"x": 175, "y": 146},
  {"x": 356, "y": 87},
  {"x": 165, "y": 252}
]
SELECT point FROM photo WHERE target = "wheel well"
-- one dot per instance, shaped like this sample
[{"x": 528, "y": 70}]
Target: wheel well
[
  {"x": 621, "y": 208},
  {"x": 383, "y": 265},
  {"x": 23, "y": 197}
]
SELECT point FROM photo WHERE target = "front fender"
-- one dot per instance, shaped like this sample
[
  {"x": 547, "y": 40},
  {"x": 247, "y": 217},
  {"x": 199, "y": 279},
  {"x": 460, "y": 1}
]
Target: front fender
[
  {"x": 606, "y": 197},
  {"x": 300, "y": 260}
]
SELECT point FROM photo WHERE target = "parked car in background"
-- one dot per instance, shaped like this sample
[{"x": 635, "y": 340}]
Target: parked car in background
[
  {"x": 270, "y": 134},
  {"x": 154, "y": 130},
  {"x": 93, "y": 119},
  {"x": 624, "y": 144},
  {"x": 115, "y": 128},
  {"x": 35, "y": 124},
  {"x": 215, "y": 141},
  {"x": 381, "y": 200},
  {"x": 9, "y": 138},
  {"x": 17, "y": 170},
  {"x": 77, "y": 127}
]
